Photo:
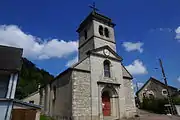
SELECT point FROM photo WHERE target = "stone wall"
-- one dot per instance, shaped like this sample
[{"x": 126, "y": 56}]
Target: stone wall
[
  {"x": 97, "y": 74},
  {"x": 81, "y": 96},
  {"x": 156, "y": 88},
  {"x": 129, "y": 98},
  {"x": 85, "y": 48},
  {"x": 61, "y": 102}
]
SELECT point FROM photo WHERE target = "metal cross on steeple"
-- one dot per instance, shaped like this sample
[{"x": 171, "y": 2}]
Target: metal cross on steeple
[{"x": 94, "y": 7}]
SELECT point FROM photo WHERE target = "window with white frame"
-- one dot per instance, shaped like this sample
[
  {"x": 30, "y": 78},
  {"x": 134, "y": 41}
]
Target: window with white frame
[{"x": 164, "y": 92}]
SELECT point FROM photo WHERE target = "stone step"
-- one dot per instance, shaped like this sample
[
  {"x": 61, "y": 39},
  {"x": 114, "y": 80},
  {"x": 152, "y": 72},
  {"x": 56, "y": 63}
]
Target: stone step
[{"x": 109, "y": 118}]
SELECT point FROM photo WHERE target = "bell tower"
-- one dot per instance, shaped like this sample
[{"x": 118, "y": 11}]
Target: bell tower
[{"x": 95, "y": 31}]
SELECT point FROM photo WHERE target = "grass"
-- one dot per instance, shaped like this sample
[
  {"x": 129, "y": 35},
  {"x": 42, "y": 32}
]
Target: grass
[{"x": 43, "y": 117}]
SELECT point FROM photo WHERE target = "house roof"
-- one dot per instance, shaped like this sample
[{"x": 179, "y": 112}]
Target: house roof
[
  {"x": 106, "y": 47},
  {"x": 126, "y": 73},
  {"x": 89, "y": 52},
  {"x": 156, "y": 81},
  {"x": 25, "y": 104},
  {"x": 10, "y": 58}
]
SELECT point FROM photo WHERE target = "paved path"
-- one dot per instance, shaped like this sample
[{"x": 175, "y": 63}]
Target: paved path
[{"x": 144, "y": 115}]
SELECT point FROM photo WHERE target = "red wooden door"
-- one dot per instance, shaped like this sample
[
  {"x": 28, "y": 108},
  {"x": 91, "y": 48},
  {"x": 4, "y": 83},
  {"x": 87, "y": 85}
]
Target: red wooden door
[{"x": 106, "y": 105}]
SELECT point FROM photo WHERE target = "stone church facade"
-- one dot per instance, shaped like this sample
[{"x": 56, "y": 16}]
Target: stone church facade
[{"x": 98, "y": 86}]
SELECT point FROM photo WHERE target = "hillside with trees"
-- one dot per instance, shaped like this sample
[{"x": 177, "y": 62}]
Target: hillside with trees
[{"x": 30, "y": 78}]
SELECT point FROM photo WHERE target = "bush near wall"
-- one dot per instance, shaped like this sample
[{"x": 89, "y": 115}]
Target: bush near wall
[
  {"x": 43, "y": 117},
  {"x": 157, "y": 105},
  {"x": 154, "y": 105}
]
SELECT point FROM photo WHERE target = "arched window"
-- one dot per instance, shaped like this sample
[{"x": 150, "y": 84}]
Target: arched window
[
  {"x": 107, "y": 68},
  {"x": 101, "y": 30},
  {"x": 106, "y": 31}
]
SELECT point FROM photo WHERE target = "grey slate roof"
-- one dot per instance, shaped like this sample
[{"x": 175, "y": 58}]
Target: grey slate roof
[
  {"x": 10, "y": 58},
  {"x": 156, "y": 81}
]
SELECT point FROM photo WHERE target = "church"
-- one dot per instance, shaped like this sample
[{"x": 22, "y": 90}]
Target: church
[{"x": 98, "y": 86}]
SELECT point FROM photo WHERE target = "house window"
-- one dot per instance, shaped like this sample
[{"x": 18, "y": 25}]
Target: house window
[
  {"x": 164, "y": 92},
  {"x": 85, "y": 34},
  {"x": 4, "y": 82},
  {"x": 106, "y": 31},
  {"x": 101, "y": 30},
  {"x": 107, "y": 68}
]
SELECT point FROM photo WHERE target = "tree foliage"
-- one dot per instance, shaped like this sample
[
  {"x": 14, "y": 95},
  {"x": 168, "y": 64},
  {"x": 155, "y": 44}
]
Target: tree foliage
[{"x": 30, "y": 78}]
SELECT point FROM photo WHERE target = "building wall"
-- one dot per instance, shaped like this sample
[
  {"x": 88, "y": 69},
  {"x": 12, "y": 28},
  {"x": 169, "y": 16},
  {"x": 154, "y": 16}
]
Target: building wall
[
  {"x": 33, "y": 97},
  {"x": 42, "y": 99},
  {"x": 86, "y": 44},
  {"x": 129, "y": 98},
  {"x": 140, "y": 94},
  {"x": 97, "y": 74},
  {"x": 157, "y": 90},
  {"x": 81, "y": 97},
  {"x": 85, "y": 48},
  {"x": 7, "y": 95},
  {"x": 4, "y": 105},
  {"x": 61, "y": 106},
  {"x": 100, "y": 40}
]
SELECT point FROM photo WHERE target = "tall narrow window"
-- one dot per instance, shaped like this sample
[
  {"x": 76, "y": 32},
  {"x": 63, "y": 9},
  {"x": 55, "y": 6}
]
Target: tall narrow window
[
  {"x": 106, "y": 31},
  {"x": 107, "y": 68},
  {"x": 85, "y": 34},
  {"x": 101, "y": 30}
]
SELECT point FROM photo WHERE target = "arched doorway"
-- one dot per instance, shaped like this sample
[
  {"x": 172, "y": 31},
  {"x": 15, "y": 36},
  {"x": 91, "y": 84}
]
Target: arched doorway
[
  {"x": 106, "y": 104},
  {"x": 109, "y": 102}
]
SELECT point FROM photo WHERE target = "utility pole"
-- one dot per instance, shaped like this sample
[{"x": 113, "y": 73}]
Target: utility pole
[{"x": 172, "y": 110}]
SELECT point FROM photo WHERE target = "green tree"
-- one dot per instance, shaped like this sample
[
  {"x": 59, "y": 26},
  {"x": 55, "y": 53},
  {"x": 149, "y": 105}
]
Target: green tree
[{"x": 30, "y": 78}]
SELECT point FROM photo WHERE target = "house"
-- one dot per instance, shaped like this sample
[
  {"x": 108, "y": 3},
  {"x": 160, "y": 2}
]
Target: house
[
  {"x": 10, "y": 66},
  {"x": 155, "y": 88},
  {"x": 25, "y": 111}
]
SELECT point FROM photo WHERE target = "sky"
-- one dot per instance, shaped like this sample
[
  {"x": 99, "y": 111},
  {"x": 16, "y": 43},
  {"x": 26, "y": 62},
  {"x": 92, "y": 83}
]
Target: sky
[{"x": 145, "y": 31}]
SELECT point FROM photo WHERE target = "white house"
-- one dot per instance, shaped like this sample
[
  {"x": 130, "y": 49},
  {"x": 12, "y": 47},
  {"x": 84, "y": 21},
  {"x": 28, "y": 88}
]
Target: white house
[{"x": 10, "y": 65}]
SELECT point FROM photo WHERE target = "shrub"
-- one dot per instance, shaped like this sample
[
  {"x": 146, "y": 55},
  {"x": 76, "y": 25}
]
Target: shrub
[
  {"x": 154, "y": 105},
  {"x": 43, "y": 117},
  {"x": 176, "y": 100}
]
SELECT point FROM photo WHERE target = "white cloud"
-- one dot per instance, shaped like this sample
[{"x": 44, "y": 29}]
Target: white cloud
[
  {"x": 177, "y": 33},
  {"x": 34, "y": 47},
  {"x": 178, "y": 79},
  {"x": 137, "y": 68},
  {"x": 130, "y": 46},
  {"x": 72, "y": 62}
]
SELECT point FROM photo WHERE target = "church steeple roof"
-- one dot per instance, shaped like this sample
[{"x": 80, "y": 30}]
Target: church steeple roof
[{"x": 98, "y": 17}]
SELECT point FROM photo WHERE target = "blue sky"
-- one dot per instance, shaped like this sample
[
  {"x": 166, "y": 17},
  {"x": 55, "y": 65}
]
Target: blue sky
[{"x": 146, "y": 27}]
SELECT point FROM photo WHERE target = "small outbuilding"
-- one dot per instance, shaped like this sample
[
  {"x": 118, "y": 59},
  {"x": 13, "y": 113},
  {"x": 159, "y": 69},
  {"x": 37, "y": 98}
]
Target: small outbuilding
[{"x": 25, "y": 111}]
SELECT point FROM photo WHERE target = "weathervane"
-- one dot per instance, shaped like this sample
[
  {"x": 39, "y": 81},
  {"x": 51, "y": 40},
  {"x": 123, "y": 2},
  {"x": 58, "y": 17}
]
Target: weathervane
[{"x": 94, "y": 7}]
